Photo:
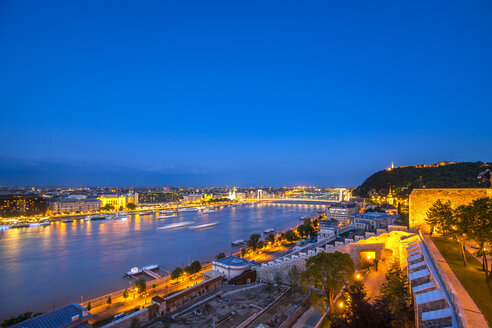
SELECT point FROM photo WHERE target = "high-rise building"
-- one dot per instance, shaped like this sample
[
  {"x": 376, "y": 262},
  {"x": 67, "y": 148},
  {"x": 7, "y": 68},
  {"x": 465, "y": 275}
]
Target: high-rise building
[
  {"x": 18, "y": 205},
  {"x": 156, "y": 197}
]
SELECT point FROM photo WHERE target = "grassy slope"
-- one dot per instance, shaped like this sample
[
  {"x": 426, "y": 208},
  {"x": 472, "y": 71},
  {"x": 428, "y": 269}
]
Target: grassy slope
[{"x": 472, "y": 277}]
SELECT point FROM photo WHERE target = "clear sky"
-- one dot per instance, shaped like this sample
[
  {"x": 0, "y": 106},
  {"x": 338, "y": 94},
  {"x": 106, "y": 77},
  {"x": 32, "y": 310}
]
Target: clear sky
[{"x": 177, "y": 93}]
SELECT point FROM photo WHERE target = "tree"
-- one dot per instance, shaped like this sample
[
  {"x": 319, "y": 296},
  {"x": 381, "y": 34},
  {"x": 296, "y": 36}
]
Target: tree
[
  {"x": 293, "y": 277},
  {"x": 460, "y": 227},
  {"x": 220, "y": 256},
  {"x": 125, "y": 293},
  {"x": 326, "y": 273},
  {"x": 108, "y": 207},
  {"x": 131, "y": 206},
  {"x": 253, "y": 241},
  {"x": 396, "y": 296},
  {"x": 154, "y": 286},
  {"x": 109, "y": 301},
  {"x": 89, "y": 306},
  {"x": 305, "y": 230},
  {"x": 195, "y": 267},
  {"x": 357, "y": 312},
  {"x": 243, "y": 252},
  {"x": 141, "y": 284},
  {"x": 270, "y": 238},
  {"x": 261, "y": 244},
  {"x": 477, "y": 220},
  {"x": 176, "y": 273},
  {"x": 291, "y": 236},
  {"x": 440, "y": 215}
]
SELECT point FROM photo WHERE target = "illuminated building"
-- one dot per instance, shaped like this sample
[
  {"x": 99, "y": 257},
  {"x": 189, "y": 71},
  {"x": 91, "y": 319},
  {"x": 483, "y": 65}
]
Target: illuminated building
[
  {"x": 342, "y": 212},
  {"x": 373, "y": 220},
  {"x": 113, "y": 200},
  {"x": 71, "y": 205},
  {"x": 192, "y": 198},
  {"x": 16, "y": 205},
  {"x": 156, "y": 197},
  {"x": 230, "y": 267}
]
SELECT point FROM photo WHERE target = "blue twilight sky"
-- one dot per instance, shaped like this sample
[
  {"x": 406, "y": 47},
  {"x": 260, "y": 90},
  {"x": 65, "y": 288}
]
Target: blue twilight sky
[{"x": 170, "y": 93}]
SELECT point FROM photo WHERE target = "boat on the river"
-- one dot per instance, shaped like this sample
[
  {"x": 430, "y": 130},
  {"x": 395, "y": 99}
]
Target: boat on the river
[
  {"x": 137, "y": 270},
  {"x": 238, "y": 242},
  {"x": 188, "y": 209},
  {"x": 268, "y": 230},
  {"x": 203, "y": 226},
  {"x": 98, "y": 218},
  {"x": 166, "y": 216},
  {"x": 176, "y": 225}
]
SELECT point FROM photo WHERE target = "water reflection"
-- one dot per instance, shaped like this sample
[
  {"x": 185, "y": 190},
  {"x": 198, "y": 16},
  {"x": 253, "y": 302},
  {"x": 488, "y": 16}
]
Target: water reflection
[{"x": 65, "y": 261}]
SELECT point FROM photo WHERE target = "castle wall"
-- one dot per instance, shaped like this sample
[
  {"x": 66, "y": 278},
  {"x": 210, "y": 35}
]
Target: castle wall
[{"x": 422, "y": 199}]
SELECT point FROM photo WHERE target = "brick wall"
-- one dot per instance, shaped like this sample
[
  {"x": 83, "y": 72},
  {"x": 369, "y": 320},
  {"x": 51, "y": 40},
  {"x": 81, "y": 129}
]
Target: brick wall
[{"x": 422, "y": 199}]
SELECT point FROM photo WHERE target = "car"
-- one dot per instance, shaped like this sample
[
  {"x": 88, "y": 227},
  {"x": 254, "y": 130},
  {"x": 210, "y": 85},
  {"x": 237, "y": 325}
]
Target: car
[{"x": 119, "y": 316}]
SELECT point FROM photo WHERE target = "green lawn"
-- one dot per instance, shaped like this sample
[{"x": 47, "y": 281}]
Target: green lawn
[{"x": 472, "y": 277}]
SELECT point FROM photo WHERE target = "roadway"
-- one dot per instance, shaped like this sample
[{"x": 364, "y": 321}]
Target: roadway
[{"x": 164, "y": 287}]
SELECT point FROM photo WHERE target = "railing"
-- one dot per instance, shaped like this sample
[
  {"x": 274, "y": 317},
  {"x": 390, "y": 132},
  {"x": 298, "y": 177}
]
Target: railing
[{"x": 451, "y": 295}]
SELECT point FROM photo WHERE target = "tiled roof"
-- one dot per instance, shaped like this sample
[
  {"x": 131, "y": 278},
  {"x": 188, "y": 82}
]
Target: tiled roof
[{"x": 57, "y": 318}]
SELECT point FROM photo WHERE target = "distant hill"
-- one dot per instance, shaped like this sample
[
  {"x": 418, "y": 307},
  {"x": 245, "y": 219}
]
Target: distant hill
[{"x": 443, "y": 175}]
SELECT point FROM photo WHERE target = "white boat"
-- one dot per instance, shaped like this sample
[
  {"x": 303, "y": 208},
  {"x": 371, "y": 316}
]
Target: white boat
[
  {"x": 121, "y": 217},
  {"x": 208, "y": 210},
  {"x": 88, "y": 217},
  {"x": 176, "y": 225},
  {"x": 268, "y": 230},
  {"x": 151, "y": 267},
  {"x": 203, "y": 226},
  {"x": 4, "y": 227},
  {"x": 38, "y": 224},
  {"x": 166, "y": 216},
  {"x": 167, "y": 212},
  {"x": 238, "y": 242},
  {"x": 188, "y": 209}
]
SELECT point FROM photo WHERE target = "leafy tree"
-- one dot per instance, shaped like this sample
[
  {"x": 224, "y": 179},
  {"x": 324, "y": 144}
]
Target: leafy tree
[
  {"x": 293, "y": 277},
  {"x": 21, "y": 317},
  {"x": 326, "y": 273},
  {"x": 440, "y": 215},
  {"x": 270, "y": 238},
  {"x": 476, "y": 218},
  {"x": 220, "y": 256},
  {"x": 291, "y": 236},
  {"x": 261, "y": 244},
  {"x": 305, "y": 230},
  {"x": 89, "y": 306},
  {"x": 188, "y": 269},
  {"x": 131, "y": 206},
  {"x": 141, "y": 284},
  {"x": 195, "y": 267},
  {"x": 357, "y": 312},
  {"x": 109, "y": 301},
  {"x": 243, "y": 252},
  {"x": 108, "y": 207},
  {"x": 395, "y": 294},
  {"x": 125, "y": 293},
  {"x": 176, "y": 273},
  {"x": 460, "y": 228},
  {"x": 253, "y": 241},
  {"x": 154, "y": 286}
]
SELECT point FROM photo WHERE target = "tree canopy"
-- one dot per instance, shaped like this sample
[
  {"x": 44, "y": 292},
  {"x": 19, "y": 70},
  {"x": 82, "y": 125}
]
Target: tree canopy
[{"x": 326, "y": 273}]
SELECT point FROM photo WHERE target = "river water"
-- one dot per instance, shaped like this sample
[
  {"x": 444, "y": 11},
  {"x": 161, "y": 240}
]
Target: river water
[{"x": 65, "y": 262}]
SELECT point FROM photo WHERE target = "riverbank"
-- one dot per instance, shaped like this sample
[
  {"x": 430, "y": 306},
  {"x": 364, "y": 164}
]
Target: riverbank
[{"x": 84, "y": 259}]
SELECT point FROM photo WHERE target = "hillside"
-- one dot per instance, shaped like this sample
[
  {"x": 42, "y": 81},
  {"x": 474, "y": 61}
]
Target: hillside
[{"x": 404, "y": 179}]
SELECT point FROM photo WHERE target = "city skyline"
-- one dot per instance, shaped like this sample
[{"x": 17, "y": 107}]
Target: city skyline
[{"x": 239, "y": 94}]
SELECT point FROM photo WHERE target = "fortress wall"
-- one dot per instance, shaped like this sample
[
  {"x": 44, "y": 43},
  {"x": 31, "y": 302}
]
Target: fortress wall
[{"x": 422, "y": 199}]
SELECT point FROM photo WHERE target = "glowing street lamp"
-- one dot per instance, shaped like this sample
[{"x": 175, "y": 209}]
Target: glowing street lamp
[{"x": 340, "y": 305}]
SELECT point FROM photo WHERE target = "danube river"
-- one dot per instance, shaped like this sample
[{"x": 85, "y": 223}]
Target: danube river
[{"x": 65, "y": 262}]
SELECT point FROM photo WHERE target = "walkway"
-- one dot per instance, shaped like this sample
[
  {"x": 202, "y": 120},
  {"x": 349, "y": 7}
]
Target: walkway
[{"x": 375, "y": 279}]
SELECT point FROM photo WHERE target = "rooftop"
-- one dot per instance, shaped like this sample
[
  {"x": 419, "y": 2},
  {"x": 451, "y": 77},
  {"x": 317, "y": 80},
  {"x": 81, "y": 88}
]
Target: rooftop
[
  {"x": 233, "y": 261},
  {"x": 58, "y": 318}
]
